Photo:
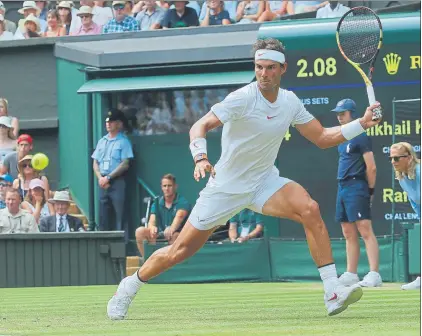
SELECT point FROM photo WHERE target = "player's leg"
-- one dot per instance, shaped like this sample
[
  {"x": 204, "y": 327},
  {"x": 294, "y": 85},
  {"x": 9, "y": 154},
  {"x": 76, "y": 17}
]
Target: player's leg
[
  {"x": 210, "y": 211},
  {"x": 283, "y": 198},
  {"x": 373, "y": 278},
  {"x": 351, "y": 235}
]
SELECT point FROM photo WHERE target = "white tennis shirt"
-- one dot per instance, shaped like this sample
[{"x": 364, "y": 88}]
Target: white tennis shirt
[{"x": 252, "y": 134}]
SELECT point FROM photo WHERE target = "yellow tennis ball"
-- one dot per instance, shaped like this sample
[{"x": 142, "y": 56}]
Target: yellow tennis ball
[{"x": 39, "y": 161}]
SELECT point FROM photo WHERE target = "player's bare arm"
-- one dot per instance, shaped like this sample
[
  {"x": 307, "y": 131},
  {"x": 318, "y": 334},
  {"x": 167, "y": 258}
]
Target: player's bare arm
[
  {"x": 333, "y": 136},
  {"x": 198, "y": 144}
]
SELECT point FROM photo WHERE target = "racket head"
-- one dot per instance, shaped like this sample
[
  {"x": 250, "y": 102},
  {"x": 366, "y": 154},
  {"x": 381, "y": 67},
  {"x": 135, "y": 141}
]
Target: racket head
[{"x": 359, "y": 35}]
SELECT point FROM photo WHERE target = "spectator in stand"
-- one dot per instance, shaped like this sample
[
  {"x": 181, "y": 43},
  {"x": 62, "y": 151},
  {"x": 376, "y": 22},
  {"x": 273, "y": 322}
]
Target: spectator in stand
[
  {"x": 13, "y": 219},
  {"x": 128, "y": 8},
  {"x": 4, "y": 34},
  {"x": 32, "y": 28},
  {"x": 10, "y": 162},
  {"x": 28, "y": 8},
  {"x": 88, "y": 27},
  {"x": 5, "y": 183},
  {"x": 229, "y": 6},
  {"x": 43, "y": 6},
  {"x": 61, "y": 221},
  {"x": 121, "y": 22},
  {"x": 308, "y": 6},
  {"x": 55, "y": 28},
  {"x": 216, "y": 15},
  {"x": 249, "y": 11},
  {"x": 65, "y": 13},
  {"x": 275, "y": 9},
  {"x": 191, "y": 4},
  {"x": 35, "y": 202},
  {"x": 331, "y": 10},
  {"x": 151, "y": 16},
  {"x": 9, "y": 25},
  {"x": 101, "y": 15},
  {"x": 26, "y": 174},
  {"x": 180, "y": 17},
  {"x": 246, "y": 225},
  {"x": 7, "y": 144},
  {"x": 4, "y": 111},
  {"x": 168, "y": 220}
]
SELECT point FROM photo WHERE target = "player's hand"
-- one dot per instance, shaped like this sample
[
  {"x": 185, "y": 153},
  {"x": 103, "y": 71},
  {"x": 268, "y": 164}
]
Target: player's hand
[
  {"x": 367, "y": 120},
  {"x": 168, "y": 233},
  {"x": 202, "y": 168}
]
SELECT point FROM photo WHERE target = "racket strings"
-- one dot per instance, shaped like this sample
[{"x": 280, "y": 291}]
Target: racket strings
[{"x": 359, "y": 35}]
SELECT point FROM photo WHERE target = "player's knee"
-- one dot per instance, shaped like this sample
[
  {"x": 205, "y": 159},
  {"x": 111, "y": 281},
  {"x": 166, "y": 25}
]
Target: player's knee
[{"x": 310, "y": 212}]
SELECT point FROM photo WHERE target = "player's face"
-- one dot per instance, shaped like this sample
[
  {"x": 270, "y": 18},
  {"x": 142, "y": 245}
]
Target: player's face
[
  {"x": 400, "y": 159},
  {"x": 344, "y": 117},
  {"x": 268, "y": 74},
  {"x": 168, "y": 188}
]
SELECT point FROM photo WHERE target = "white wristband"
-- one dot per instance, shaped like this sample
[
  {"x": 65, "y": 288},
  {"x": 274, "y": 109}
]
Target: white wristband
[
  {"x": 352, "y": 129},
  {"x": 198, "y": 146}
]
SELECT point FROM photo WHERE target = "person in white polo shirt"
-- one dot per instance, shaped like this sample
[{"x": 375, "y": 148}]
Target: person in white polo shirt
[{"x": 332, "y": 10}]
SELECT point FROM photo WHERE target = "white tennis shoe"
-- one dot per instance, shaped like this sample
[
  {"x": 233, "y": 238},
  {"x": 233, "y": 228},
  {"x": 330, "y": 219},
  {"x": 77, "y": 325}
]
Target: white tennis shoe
[
  {"x": 416, "y": 284},
  {"x": 119, "y": 304},
  {"x": 372, "y": 279},
  {"x": 348, "y": 279},
  {"x": 342, "y": 297}
]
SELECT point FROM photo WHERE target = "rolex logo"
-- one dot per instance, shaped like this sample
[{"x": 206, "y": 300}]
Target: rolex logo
[{"x": 392, "y": 62}]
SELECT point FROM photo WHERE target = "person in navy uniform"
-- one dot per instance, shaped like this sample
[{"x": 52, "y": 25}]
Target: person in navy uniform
[
  {"x": 111, "y": 161},
  {"x": 356, "y": 184}
]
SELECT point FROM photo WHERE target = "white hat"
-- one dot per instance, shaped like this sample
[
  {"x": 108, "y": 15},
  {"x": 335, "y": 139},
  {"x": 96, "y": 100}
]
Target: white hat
[
  {"x": 60, "y": 196},
  {"x": 36, "y": 183},
  {"x": 1, "y": 17},
  {"x": 2, "y": 5},
  {"x": 33, "y": 18},
  {"x": 5, "y": 120},
  {"x": 65, "y": 4},
  {"x": 118, "y": 3},
  {"x": 85, "y": 10},
  {"x": 29, "y": 5}
]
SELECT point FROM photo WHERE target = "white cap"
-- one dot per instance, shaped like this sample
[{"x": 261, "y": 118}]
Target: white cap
[{"x": 2, "y": 5}]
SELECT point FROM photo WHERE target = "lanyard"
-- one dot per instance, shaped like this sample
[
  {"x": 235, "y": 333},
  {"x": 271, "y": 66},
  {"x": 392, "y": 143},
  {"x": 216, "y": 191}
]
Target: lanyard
[{"x": 111, "y": 149}]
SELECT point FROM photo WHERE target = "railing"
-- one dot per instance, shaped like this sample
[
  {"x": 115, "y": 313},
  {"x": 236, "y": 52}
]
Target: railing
[{"x": 148, "y": 200}]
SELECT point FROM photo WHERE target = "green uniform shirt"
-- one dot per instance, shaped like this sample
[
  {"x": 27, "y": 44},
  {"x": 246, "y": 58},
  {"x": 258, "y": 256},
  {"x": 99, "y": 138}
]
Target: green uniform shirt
[
  {"x": 246, "y": 221},
  {"x": 166, "y": 215}
]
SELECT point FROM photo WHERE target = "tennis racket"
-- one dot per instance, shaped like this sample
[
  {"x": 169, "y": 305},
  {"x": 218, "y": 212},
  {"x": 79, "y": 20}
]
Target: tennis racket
[{"x": 359, "y": 38}]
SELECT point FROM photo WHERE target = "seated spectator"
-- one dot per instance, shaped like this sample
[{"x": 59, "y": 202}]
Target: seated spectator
[
  {"x": 35, "y": 202},
  {"x": 5, "y": 183},
  {"x": 275, "y": 9},
  {"x": 331, "y": 10},
  {"x": 65, "y": 13},
  {"x": 31, "y": 28},
  {"x": 61, "y": 221},
  {"x": 4, "y": 34},
  {"x": 101, "y": 14},
  {"x": 171, "y": 215},
  {"x": 4, "y": 111},
  {"x": 121, "y": 22},
  {"x": 230, "y": 6},
  {"x": 179, "y": 17},
  {"x": 191, "y": 4},
  {"x": 249, "y": 11},
  {"x": 151, "y": 16},
  {"x": 246, "y": 225},
  {"x": 88, "y": 27},
  {"x": 308, "y": 6},
  {"x": 128, "y": 8},
  {"x": 29, "y": 8},
  {"x": 9, "y": 25},
  {"x": 13, "y": 219},
  {"x": 26, "y": 174},
  {"x": 55, "y": 28},
  {"x": 215, "y": 15},
  {"x": 10, "y": 162},
  {"x": 7, "y": 144},
  {"x": 43, "y": 6}
]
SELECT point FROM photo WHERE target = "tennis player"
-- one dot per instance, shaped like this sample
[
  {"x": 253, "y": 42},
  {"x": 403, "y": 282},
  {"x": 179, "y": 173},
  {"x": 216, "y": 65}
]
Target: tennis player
[{"x": 255, "y": 119}]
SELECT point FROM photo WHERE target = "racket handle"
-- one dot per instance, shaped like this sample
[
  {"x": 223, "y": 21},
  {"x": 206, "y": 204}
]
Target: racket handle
[{"x": 377, "y": 112}]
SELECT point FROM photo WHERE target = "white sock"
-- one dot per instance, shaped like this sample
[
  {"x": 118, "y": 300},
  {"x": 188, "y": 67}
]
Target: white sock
[
  {"x": 328, "y": 275},
  {"x": 134, "y": 284}
]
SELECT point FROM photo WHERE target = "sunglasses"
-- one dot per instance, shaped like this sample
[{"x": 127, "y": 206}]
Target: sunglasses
[
  {"x": 26, "y": 165},
  {"x": 397, "y": 158},
  {"x": 116, "y": 7}
]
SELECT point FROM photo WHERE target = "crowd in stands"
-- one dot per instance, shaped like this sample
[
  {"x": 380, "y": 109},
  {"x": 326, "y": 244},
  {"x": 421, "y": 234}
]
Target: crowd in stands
[{"x": 89, "y": 17}]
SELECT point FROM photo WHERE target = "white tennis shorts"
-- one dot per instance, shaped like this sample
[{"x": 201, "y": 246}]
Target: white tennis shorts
[{"x": 214, "y": 208}]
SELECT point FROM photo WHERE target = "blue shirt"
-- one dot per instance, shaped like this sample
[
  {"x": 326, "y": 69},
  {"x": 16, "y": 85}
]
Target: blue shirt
[
  {"x": 217, "y": 20},
  {"x": 110, "y": 152},
  {"x": 173, "y": 20},
  {"x": 413, "y": 189},
  {"x": 351, "y": 163},
  {"x": 129, "y": 24},
  {"x": 229, "y": 6}
]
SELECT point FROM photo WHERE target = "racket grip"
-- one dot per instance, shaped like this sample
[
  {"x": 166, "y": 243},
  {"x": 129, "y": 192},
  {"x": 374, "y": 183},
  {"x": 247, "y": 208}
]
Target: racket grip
[{"x": 377, "y": 112}]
